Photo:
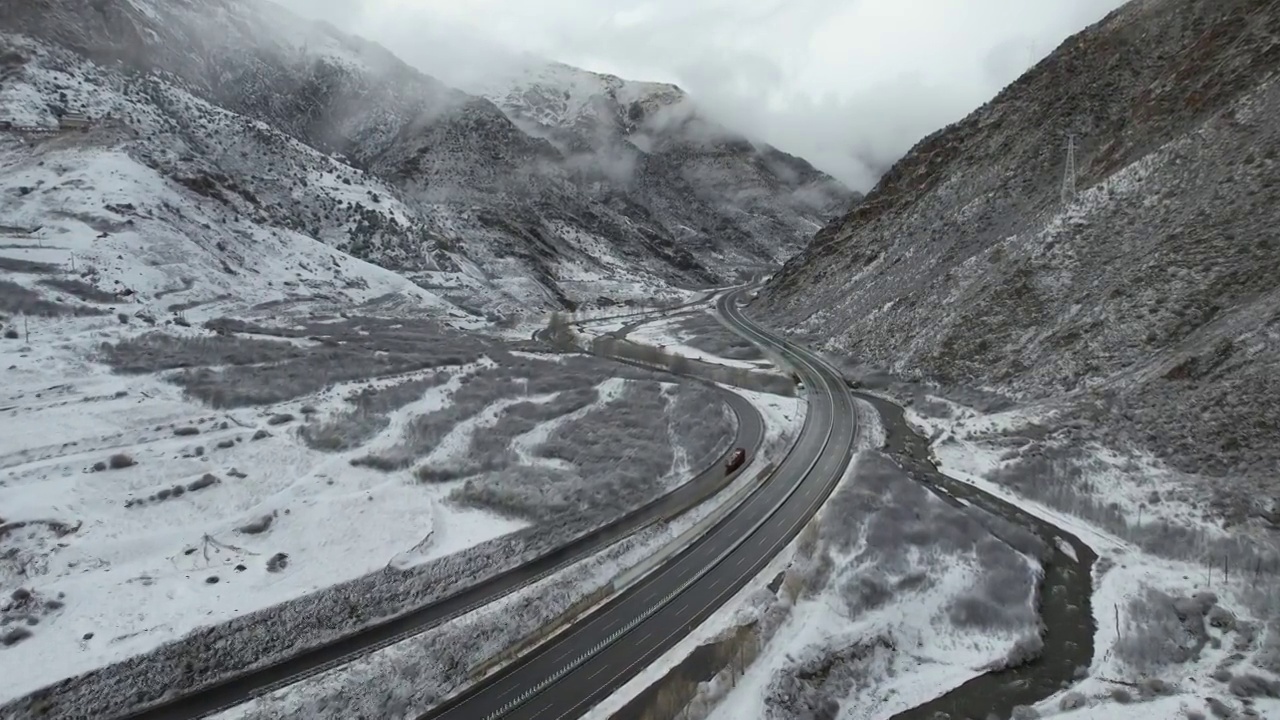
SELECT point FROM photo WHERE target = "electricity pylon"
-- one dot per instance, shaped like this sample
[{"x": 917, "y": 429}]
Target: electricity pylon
[{"x": 1069, "y": 174}]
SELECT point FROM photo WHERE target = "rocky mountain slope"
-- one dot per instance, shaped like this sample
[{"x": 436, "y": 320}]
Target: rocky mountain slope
[
  {"x": 718, "y": 190},
  {"x": 1151, "y": 298},
  {"x": 253, "y": 108}
]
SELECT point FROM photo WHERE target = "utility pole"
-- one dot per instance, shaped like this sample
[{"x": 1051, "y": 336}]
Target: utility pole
[{"x": 1069, "y": 174}]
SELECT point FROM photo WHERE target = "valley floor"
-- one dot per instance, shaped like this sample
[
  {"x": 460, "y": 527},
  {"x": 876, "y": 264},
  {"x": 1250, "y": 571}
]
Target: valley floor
[
  {"x": 1187, "y": 623},
  {"x": 1184, "y": 611},
  {"x": 135, "y": 513},
  {"x": 112, "y": 577}
]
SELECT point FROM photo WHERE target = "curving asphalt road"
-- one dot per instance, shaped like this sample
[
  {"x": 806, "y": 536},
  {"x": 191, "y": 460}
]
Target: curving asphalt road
[
  {"x": 567, "y": 676},
  {"x": 214, "y": 698}
]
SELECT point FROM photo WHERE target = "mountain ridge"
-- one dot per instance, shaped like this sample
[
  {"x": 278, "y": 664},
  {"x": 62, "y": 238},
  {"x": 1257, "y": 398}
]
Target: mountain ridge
[
  {"x": 963, "y": 266},
  {"x": 535, "y": 225}
]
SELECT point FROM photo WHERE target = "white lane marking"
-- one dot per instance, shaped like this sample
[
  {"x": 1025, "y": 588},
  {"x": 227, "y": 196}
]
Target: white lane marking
[{"x": 717, "y": 601}]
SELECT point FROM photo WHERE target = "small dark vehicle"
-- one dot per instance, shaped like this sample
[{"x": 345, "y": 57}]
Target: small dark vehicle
[{"x": 736, "y": 458}]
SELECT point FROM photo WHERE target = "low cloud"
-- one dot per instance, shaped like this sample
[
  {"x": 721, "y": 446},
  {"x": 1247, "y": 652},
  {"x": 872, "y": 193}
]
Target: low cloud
[{"x": 850, "y": 85}]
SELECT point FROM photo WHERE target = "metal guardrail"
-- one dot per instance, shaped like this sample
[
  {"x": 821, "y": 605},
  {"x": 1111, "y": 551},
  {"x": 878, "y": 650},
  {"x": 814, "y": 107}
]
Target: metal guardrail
[{"x": 626, "y": 578}]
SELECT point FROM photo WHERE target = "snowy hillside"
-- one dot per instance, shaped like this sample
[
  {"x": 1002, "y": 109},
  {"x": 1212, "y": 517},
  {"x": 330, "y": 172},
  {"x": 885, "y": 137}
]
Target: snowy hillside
[
  {"x": 651, "y": 142},
  {"x": 555, "y": 97},
  {"x": 1149, "y": 301},
  {"x": 422, "y": 179}
]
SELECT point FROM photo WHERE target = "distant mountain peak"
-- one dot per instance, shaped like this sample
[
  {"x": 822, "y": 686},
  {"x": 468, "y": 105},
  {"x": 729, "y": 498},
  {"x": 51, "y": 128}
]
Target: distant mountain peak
[{"x": 553, "y": 186}]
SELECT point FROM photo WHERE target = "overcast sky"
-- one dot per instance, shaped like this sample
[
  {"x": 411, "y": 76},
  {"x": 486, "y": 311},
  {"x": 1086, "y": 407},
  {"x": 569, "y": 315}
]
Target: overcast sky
[{"x": 849, "y": 85}]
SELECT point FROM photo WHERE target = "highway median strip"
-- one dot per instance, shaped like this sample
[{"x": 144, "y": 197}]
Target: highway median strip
[
  {"x": 622, "y": 581},
  {"x": 665, "y": 600}
]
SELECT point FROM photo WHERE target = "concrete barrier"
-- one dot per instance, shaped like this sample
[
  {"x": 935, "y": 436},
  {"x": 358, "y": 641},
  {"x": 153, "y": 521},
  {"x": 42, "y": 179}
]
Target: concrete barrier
[
  {"x": 624, "y": 579},
  {"x": 552, "y": 628},
  {"x": 629, "y": 577}
]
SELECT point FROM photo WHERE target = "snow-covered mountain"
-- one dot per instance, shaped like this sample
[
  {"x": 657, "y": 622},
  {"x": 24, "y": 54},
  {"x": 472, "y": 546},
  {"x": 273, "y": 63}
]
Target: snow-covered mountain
[
  {"x": 1152, "y": 296},
  {"x": 573, "y": 186},
  {"x": 651, "y": 142}
]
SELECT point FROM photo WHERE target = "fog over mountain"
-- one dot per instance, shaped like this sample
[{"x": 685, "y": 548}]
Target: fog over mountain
[{"x": 849, "y": 86}]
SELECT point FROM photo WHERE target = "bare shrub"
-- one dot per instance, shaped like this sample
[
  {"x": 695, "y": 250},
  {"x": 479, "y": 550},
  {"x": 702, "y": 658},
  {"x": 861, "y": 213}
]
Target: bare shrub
[
  {"x": 80, "y": 289},
  {"x": 257, "y": 526},
  {"x": 1252, "y": 686},
  {"x": 13, "y": 636},
  {"x": 1058, "y": 477},
  {"x": 619, "y": 453},
  {"x": 707, "y": 334},
  {"x": 384, "y": 462},
  {"x": 157, "y": 351},
  {"x": 205, "y": 481},
  {"x": 352, "y": 428},
  {"x": 397, "y": 395},
  {"x": 1155, "y": 687},
  {"x": 277, "y": 562},
  {"x": 1219, "y": 708},
  {"x": 18, "y": 300},
  {"x": 343, "y": 431},
  {"x": 119, "y": 461},
  {"x": 268, "y": 384},
  {"x": 1157, "y": 635},
  {"x": 30, "y": 267},
  {"x": 354, "y": 349},
  {"x": 701, "y": 423},
  {"x": 1026, "y": 649}
]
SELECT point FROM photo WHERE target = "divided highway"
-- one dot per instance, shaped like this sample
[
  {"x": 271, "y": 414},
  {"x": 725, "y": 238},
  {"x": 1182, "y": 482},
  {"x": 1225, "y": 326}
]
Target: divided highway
[
  {"x": 310, "y": 661},
  {"x": 567, "y": 676}
]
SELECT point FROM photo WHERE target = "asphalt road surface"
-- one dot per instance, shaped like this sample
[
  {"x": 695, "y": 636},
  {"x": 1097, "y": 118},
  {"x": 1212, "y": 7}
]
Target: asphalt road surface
[
  {"x": 214, "y": 698},
  {"x": 566, "y": 677}
]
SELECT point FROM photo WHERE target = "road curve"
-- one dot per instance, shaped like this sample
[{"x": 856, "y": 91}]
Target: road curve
[
  {"x": 211, "y": 699},
  {"x": 567, "y": 676}
]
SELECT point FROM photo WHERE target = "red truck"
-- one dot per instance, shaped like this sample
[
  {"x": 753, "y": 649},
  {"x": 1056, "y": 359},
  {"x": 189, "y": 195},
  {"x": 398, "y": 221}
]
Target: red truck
[{"x": 736, "y": 458}]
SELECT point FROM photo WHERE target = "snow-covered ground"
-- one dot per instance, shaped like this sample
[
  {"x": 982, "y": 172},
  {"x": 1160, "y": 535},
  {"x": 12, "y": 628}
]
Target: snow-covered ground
[
  {"x": 667, "y": 334},
  {"x": 114, "y": 577},
  {"x": 1164, "y": 646},
  {"x": 410, "y": 676},
  {"x": 673, "y": 339},
  {"x": 106, "y": 219},
  {"x": 221, "y": 511},
  {"x": 132, "y": 576}
]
